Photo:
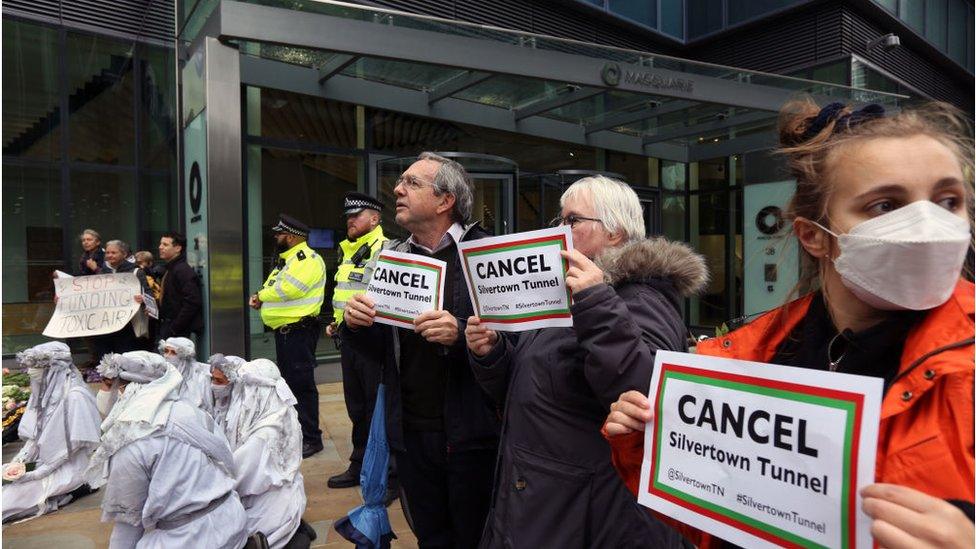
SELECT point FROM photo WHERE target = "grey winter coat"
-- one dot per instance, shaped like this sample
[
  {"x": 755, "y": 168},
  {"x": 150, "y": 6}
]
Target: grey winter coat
[{"x": 555, "y": 483}]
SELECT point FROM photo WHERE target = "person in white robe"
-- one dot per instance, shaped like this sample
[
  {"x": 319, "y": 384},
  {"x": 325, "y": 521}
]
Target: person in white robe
[
  {"x": 223, "y": 373},
  {"x": 60, "y": 430},
  {"x": 167, "y": 468},
  {"x": 262, "y": 427},
  {"x": 108, "y": 391},
  {"x": 182, "y": 353}
]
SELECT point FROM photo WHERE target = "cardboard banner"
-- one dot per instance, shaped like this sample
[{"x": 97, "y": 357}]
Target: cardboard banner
[
  {"x": 761, "y": 455},
  {"x": 93, "y": 305},
  {"x": 517, "y": 282},
  {"x": 405, "y": 285}
]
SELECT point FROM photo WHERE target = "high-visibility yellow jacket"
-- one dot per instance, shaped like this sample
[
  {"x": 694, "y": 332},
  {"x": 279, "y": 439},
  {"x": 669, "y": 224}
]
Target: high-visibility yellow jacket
[
  {"x": 352, "y": 277},
  {"x": 295, "y": 288}
]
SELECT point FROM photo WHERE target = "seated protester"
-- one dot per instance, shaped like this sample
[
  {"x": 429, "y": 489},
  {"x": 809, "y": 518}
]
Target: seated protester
[
  {"x": 108, "y": 392},
  {"x": 168, "y": 469},
  {"x": 262, "y": 426},
  {"x": 558, "y": 383},
  {"x": 223, "y": 372},
  {"x": 195, "y": 389},
  {"x": 60, "y": 428},
  {"x": 883, "y": 216}
]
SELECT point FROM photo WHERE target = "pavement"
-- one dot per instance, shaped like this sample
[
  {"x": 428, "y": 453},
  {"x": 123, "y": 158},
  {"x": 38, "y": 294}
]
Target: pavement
[{"x": 78, "y": 526}]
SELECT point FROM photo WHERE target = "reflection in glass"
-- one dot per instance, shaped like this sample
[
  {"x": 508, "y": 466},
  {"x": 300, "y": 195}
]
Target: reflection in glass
[
  {"x": 33, "y": 242},
  {"x": 100, "y": 89},
  {"x": 106, "y": 202},
  {"x": 31, "y": 105},
  {"x": 158, "y": 109}
]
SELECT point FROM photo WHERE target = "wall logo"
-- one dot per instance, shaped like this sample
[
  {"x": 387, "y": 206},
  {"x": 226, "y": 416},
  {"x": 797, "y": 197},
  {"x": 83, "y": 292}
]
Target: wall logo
[
  {"x": 196, "y": 191},
  {"x": 769, "y": 220},
  {"x": 611, "y": 74}
]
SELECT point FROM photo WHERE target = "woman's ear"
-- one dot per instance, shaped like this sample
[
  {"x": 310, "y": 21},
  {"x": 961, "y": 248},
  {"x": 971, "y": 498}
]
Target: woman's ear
[{"x": 814, "y": 240}]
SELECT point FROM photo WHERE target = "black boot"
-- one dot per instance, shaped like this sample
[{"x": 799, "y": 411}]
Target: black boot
[{"x": 345, "y": 479}]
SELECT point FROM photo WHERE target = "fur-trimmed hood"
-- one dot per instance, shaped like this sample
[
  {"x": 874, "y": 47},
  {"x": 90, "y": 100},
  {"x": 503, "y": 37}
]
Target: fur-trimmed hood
[{"x": 655, "y": 258}]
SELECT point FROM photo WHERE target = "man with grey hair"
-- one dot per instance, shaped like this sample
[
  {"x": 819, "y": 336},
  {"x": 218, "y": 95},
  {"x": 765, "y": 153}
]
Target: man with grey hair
[{"x": 441, "y": 426}]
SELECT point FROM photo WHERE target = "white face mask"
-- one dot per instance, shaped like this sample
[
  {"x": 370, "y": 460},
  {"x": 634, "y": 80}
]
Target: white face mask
[
  {"x": 220, "y": 391},
  {"x": 104, "y": 401},
  {"x": 35, "y": 374},
  {"x": 910, "y": 258}
]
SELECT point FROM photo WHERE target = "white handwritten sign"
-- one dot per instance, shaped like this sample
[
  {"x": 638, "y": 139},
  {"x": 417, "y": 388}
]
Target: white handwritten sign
[
  {"x": 761, "y": 455},
  {"x": 518, "y": 282},
  {"x": 93, "y": 305},
  {"x": 405, "y": 285}
]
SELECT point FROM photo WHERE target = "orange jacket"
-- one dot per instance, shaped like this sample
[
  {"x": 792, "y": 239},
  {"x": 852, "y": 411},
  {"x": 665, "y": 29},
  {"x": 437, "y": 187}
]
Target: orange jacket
[{"x": 925, "y": 439}]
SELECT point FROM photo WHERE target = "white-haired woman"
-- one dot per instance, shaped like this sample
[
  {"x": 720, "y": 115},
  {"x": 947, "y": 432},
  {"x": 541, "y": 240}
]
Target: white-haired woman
[{"x": 556, "y": 486}]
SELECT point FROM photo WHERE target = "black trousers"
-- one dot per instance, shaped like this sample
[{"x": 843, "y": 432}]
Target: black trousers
[
  {"x": 447, "y": 494},
  {"x": 295, "y": 347},
  {"x": 121, "y": 341},
  {"x": 360, "y": 380}
]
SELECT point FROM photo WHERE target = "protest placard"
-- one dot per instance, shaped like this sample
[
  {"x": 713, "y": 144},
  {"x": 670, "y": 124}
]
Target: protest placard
[
  {"x": 518, "y": 282},
  {"x": 152, "y": 309},
  {"x": 405, "y": 285},
  {"x": 93, "y": 305},
  {"x": 761, "y": 455}
]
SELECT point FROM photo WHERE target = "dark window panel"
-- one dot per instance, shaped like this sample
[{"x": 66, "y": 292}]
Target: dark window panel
[
  {"x": 101, "y": 128},
  {"x": 704, "y": 16},
  {"x": 744, "y": 10},
  {"x": 641, "y": 11},
  {"x": 31, "y": 102},
  {"x": 913, "y": 13},
  {"x": 673, "y": 18},
  {"x": 935, "y": 22}
]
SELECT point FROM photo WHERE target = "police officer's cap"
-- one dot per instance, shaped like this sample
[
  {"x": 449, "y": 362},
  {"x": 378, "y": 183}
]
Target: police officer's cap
[
  {"x": 357, "y": 202},
  {"x": 290, "y": 225}
]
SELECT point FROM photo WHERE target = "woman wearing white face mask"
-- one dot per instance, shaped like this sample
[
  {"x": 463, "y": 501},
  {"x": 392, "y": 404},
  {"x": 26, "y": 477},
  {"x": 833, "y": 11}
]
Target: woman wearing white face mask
[
  {"x": 60, "y": 430},
  {"x": 883, "y": 212},
  {"x": 108, "y": 391}
]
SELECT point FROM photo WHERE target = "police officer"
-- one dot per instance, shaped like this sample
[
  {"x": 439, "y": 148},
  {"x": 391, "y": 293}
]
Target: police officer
[
  {"x": 290, "y": 301},
  {"x": 359, "y": 381}
]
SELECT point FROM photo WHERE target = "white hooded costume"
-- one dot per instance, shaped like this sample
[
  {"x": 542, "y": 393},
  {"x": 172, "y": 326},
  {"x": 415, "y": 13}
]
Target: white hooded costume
[
  {"x": 60, "y": 427},
  {"x": 263, "y": 430},
  {"x": 168, "y": 469},
  {"x": 195, "y": 388}
]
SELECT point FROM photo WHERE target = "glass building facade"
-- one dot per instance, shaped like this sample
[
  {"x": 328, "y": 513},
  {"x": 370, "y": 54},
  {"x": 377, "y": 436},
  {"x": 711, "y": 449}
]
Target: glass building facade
[
  {"x": 89, "y": 141},
  {"x": 287, "y": 122}
]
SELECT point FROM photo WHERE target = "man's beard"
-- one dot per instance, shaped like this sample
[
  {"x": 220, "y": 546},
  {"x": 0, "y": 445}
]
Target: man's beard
[{"x": 281, "y": 246}]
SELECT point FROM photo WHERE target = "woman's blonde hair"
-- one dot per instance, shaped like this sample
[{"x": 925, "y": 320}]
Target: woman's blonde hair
[{"x": 810, "y": 156}]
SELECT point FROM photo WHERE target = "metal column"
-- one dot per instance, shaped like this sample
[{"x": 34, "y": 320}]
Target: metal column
[{"x": 225, "y": 229}]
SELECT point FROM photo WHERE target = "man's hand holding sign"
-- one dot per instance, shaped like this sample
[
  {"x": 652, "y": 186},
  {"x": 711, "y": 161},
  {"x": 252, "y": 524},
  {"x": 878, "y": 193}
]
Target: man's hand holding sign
[{"x": 407, "y": 291}]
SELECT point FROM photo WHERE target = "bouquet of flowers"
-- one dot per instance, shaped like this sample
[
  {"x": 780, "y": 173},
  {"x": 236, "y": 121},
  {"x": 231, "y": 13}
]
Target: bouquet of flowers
[{"x": 16, "y": 391}]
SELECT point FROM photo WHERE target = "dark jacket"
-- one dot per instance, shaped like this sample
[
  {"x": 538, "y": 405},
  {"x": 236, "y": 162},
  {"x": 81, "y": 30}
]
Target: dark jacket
[
  {"x": 470, "y": 417},
  {"x": 555, "y": 483},
  {"x": 98, "y": 255},
  {"x": 181, "y": 309}
]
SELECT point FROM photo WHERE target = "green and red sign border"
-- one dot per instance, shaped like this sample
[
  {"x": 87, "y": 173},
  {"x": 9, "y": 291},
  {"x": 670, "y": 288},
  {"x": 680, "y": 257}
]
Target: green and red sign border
[
  {"x": 852, "y": 403},
  {"x": 537, "y": 242},
  {"x": 416, "y": 264}
]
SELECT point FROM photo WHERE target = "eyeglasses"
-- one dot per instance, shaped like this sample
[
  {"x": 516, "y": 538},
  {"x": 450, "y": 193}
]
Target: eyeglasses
[
  {"x": 411, "y": 182},
  {"x": 571, "y": 220}
]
